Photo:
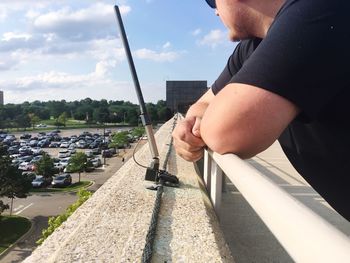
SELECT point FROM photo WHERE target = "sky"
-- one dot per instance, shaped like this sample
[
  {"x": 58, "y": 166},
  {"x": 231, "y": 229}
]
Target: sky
[{"x": 71, "y": 50}]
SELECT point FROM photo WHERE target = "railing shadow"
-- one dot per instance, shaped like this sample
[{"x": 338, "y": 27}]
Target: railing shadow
[
  {"x": 306, "y": 195},
  {"x": 245, "y": 233}
]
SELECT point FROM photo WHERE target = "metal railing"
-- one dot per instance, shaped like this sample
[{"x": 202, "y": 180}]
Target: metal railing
[{"x": 306, "y": 236}]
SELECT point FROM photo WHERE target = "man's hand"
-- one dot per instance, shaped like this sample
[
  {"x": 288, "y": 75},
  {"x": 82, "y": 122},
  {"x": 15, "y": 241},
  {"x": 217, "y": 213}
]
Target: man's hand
[{"x": 187, "y": 139}]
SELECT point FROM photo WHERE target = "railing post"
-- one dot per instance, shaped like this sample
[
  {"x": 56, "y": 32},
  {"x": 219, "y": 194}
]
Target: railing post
[
  {"x": 216, "y": 185},
  {"x": 207, "y": 170}
]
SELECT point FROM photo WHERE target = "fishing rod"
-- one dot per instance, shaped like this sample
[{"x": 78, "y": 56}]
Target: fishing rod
[{"x": 152, "y": 173}]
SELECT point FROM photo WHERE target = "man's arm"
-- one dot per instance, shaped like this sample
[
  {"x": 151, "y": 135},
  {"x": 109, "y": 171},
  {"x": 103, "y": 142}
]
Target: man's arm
[
  {"x": 201, "y": 105},
  {"x": 245, "y": 120},
  {"x": 187, "y": 139}
]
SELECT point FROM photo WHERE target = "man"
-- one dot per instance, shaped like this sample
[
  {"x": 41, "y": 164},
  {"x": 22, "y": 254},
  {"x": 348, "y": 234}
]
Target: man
[{"x": 294, "y": 87}]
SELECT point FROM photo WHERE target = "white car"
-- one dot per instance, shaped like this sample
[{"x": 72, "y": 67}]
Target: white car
[
  {"x": 96, "y": 162},
  {"x": 64, "y": 162},
  {"x": 23, "y": 166},
  {"x": 64, "y": 145},
  {"x": 63, "y": 154}
]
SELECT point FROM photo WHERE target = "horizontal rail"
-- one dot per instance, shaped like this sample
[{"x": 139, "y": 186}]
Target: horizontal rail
[{"x": 306, "y": 236}]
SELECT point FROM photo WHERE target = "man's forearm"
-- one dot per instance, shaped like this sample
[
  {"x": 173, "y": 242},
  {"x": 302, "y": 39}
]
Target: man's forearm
[{"x": 197, "y": 109}]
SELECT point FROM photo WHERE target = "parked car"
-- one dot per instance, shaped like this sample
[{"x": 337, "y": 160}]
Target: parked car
[
  {"x": 36, "y": 158},
  {"x": 25, "y": 150},
  {"x": 59, "y": 167},
  {"x": 96, "y": 162},
  {"x": 107, "y": 154},
  {"x": 64, "y": 144},
  {"x": 24, "y": 166},
  {"x": 64, "y": 162},
  {"x": 13, "y": 149},
  {"x": 112, "y": 150},
  {"x": 43, "y": 143},
  {"x": 63, "y": 154},
  {"x": 96, "y": 151},
  {"x": 25, "y": 136},
  {"x": 62, "y": 180},
  {"x": 37, "y": 151},
  {"x": 41, "y": 181},
  {"x": 31, "y": 175},
  {"x": 33, "y": 143},
  {"x": 81, "y": 144},
  {"x": 54, "y": 145},
  {"x": 89, "y": 153}
]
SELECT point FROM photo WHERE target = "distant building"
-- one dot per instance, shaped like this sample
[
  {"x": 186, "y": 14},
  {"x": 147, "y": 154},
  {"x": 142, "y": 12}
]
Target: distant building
[
  {"x": 1, "y": 97},
  {"x": 181, "y": 94}
]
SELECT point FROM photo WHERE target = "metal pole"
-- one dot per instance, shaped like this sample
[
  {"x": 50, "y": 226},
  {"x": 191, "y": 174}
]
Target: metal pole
[{"x": 144, "y": 116}]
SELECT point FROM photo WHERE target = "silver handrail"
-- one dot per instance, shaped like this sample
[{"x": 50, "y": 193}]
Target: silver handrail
[{"x": 306, "y": 236}]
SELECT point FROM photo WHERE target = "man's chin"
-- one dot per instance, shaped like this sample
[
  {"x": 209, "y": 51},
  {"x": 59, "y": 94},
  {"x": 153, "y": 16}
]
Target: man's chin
[{"x": 235, "y": 36}]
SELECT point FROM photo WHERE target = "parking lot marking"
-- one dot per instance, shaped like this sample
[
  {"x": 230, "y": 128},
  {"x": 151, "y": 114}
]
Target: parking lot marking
[
  {"x": 20, "y": 211},
  {"x": 18, "y": 208}
]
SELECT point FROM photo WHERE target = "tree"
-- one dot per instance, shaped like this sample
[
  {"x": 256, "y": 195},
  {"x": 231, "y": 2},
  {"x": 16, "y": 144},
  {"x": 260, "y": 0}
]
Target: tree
[
  {"x": 62, "y": 119},
  {"x": 33, "y": 119},
  {"x": 12, "y": 183},
  {"x": 119, "y": 139},
  {"x": 164, "y": 114},
  {"x": 138, "y": 132},
  {"x": 23, "y": 121},
  {"x": 45, "y": 166},
  {"x": 132, "y": 116},
  {"x": 79, "y": 163},
  {"x": 101, "y": 115},
  {"x": 56, "y": 108},
  {"x": 152, "y": 112}
]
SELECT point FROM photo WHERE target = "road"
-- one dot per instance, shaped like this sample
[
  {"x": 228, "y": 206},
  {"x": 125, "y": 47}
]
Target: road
[{"x": 39, "y": 207}]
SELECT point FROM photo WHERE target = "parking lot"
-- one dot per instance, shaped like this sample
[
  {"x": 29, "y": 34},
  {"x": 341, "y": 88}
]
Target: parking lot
[
  {"x": 27, "y": 149},
  {"x": 39, "y": 206}
]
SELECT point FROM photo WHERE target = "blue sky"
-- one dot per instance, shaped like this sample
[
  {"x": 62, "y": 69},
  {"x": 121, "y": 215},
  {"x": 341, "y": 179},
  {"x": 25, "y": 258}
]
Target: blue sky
[{"x": 54, "y": 50}]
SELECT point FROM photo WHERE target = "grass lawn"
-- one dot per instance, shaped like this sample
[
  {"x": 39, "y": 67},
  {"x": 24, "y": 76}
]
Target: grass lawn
[
  {"x": 11, "y": 229},
  {"x": 72, "y": 188}
]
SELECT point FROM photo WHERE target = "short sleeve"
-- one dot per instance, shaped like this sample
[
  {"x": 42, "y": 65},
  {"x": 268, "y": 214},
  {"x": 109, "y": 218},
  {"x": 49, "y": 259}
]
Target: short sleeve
[{"x": 235, "y": 62}]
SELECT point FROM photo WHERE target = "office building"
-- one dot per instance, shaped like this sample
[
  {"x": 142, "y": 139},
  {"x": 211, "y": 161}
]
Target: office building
[{"x": 181, "y": 94}]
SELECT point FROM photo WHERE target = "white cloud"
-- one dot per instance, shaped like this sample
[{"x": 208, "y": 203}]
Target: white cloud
[
  {"x": 102, "y": 67},
  {"x": 11, "y": 41},
  {"x": 196, "y": 32},
  {"x": 106, "y": 49},
  {"x": 7, "y": 7},
  {"x": 156, "y": 56},
  {"x": 214, "y": 38},
  {"x": 7, "y": 63},
  {"x": 95, "y": 21},
  {"x": 3, "y": 14},
  {"x": 32, "y": 14},
  {"x": 8, "y": 36},
  {"x": 60, "y": 85},
  {"x": 167, "y": 45}
]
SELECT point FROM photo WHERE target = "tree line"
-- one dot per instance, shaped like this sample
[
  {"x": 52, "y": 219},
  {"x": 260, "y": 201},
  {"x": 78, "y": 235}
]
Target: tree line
[{"x": 87, "y": 110}]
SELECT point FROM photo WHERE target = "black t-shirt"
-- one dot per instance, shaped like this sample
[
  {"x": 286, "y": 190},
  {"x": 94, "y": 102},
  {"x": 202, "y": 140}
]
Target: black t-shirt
[{"x": 304, "y": 59}]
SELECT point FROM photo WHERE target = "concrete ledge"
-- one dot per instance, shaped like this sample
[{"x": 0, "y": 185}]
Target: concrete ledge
[{"x": 112, "y": 225}]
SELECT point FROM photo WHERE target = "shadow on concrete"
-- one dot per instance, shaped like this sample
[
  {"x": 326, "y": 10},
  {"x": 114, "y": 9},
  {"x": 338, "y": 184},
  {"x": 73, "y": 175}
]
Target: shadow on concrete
[
  {"x": 246, "y": 234},
  {"x": 25, "y": 247},
  {"x": 308, "y": 196}
]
